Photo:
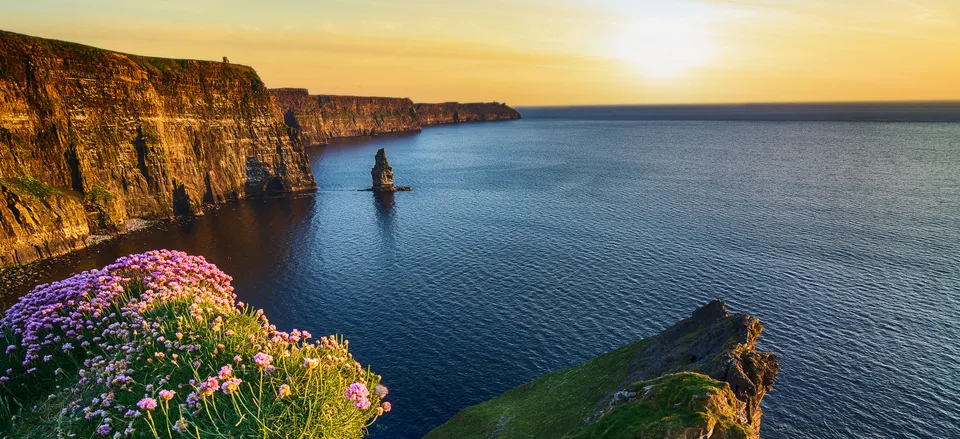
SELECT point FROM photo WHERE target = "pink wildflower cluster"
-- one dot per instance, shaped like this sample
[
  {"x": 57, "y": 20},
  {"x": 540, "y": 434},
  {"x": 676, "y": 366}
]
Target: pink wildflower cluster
[
  {"x": 81, "y": 310},
  {"x": 116, "y": 323},
  {"x": 358, "y": 393}
]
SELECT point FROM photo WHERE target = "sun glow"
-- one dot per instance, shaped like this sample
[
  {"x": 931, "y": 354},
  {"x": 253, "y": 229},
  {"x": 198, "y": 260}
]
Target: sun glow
[
  {"x": 664, "y": 53},
  {"x": 667, "y": 40}
]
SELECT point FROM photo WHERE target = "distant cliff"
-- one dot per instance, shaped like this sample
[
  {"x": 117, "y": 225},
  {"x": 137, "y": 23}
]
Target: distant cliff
[
  {"x": 700, "y": 378},
  {"x": 319, "y": 118},
  {"x": 455, "y": 112},
  {"x": 91, "y": 138},
  {"x": 323, "y": 117}
]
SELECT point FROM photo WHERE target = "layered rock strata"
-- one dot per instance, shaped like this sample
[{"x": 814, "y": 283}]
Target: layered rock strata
[
  {"x": 121, "y": 137},
  {"x": 455, "y": 112},
  {"x": 323, "y": 117},
  {"x": 319, "y": 118},
  {"x": 382, "y": 175}
]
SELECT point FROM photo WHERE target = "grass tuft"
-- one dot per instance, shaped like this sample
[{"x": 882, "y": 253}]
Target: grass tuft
[{"x": 28, "y": 185}]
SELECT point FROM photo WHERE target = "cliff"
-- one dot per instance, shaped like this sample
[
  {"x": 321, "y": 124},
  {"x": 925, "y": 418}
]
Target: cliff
[
  {"x": 700, "y": 378},
  {"x": 116, "y": 137},
  {"x": 319, "y": 118},
  {"x": 454, "y": 112},
  {"x": 323, "y": 117}
]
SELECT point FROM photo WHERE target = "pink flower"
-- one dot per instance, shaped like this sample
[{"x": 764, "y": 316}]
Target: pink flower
[
  {"x": 357, "y": 391},
  {"x": 284, "y": 391},
  {"x": 263, "y": 360},
  {"x": 386, "y": 407},
  {"x": 167, "y": 395},
  {"x": 311, "y": 363},
  {"x": 208, "y": 386},
  {"x": 381, "y": 391},
  {"x": 225, "y": 372},
  {"x": 147, "y": 404},
  {"x": 231, "y": 386}
]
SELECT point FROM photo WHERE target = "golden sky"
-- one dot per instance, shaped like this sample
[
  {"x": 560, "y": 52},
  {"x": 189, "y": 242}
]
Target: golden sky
[{"x": 543, "y": 52}]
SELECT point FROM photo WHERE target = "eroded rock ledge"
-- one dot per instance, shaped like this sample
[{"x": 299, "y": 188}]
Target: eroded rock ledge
[{"x": 701, "y": 378}]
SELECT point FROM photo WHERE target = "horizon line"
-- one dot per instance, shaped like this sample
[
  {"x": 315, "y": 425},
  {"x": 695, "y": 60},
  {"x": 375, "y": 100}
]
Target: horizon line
[{"x": 753, "y": 103}]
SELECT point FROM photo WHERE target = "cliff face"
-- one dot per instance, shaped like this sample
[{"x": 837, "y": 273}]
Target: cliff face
[
  {"x": 36, "y": 219},
  {"x": 323, "y": 117},
  {"x": 319, "y": 118},
  {"x": 454, "y": 112},
  {"x": 700, "y": 378},
  {"x": 127, "y": 137}
]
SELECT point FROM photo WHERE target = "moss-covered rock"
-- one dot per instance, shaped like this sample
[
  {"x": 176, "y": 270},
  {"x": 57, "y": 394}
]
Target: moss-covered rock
[
  {"x": 682, "y": 405},
  {"x": 702, "y": 377}
]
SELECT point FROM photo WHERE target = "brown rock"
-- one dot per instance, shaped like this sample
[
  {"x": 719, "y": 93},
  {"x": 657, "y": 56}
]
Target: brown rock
[
  {"x": 455, "y": 112},
  {"x": 717, "y": 344},
  {"x": 323, "y": 117},
  {"x": 157, "y": 136},
  {"x": 382, "y": 173}
]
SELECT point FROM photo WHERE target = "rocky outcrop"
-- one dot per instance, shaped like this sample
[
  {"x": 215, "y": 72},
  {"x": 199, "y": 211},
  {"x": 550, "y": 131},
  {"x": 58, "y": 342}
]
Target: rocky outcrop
[
  {"x": 323, "y": 117},
  {"x": 455, "y": 112},
  {"x": 382, "y": 174},
  {"x": 701, "y": 378},
  {"x": 714, "y": 343},
  {"x": 126, "y": 137}
]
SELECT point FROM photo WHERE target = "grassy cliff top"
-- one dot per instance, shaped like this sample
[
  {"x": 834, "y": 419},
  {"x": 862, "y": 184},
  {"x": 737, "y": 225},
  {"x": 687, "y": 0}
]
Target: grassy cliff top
[
  {"x": 700, "y": 375},
  {"x": 11, "y": 42}
]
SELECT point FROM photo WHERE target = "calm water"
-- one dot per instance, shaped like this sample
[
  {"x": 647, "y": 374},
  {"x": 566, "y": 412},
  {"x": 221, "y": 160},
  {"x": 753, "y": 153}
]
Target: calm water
[{"x": 536, "y": 244}]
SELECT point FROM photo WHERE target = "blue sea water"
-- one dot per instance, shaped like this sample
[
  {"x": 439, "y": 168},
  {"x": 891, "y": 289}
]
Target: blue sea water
[{"x": 532, "y": 245}]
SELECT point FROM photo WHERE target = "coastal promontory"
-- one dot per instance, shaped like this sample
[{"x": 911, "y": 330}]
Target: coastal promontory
[
  {"x": 319, "y": 118},
  {"x": 455, "y": 112},
  {"x": 700, "y": 378}
]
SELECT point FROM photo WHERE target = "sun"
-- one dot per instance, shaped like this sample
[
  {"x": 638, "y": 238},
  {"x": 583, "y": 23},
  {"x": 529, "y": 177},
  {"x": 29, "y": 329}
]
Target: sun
[
  {"x": 667, "y": 40},
  {"x": 664, "y": 53}
]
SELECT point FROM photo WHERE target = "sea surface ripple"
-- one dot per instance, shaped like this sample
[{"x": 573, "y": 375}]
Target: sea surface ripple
[{"x": 532, "y": 245}]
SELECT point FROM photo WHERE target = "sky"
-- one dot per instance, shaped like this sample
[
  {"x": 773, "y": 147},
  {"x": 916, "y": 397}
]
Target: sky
[{"x": 542, "y": 52}]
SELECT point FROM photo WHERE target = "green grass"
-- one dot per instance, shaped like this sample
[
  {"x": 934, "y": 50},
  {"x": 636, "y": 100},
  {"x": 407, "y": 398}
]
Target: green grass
[
  {"x": 667, "y": 407},
  {"x": 549, "y": 407},
  {"x": 28, "y": 185},
  {"x": 99, "y": 194},
  {"x": 557, "y": 404}
]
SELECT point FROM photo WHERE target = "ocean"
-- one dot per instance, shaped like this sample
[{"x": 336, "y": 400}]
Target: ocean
[{"x": 531, "y": 245}]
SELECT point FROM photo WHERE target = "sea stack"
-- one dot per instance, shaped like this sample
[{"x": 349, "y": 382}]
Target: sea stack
[{"x": 382, "y": 174}]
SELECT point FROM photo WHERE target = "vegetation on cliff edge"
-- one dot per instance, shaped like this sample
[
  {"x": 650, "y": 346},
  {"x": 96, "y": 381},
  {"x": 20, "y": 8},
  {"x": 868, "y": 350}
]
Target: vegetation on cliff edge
[
  {"x": 559, "y": 404},
  {"x": 155, "y": 346},
  {"x": 551, "y": 406}
]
